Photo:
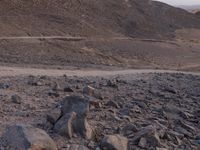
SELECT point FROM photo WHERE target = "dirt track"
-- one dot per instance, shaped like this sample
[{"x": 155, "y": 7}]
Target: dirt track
[{"x": 17, "y": 71}]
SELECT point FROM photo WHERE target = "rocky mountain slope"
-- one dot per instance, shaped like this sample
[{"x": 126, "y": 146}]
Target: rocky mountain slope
[{"x": 134, "y": 18}]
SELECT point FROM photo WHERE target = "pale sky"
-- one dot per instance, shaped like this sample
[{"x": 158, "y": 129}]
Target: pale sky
[{"x": 181, "y": 2}]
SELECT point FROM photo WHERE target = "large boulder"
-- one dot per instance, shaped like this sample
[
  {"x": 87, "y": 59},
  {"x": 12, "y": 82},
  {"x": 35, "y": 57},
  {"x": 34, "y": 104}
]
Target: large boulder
[
  {"x": 82, "y": 127},
  {"x": 114, "y": 142},
  {"x": 54, "y": 115},
  {"x": 74, "y": 117},
  {"x": 22, "y": 137},
  {"x": 77, "y": 104},
  {"x": 64, "y": 125}
]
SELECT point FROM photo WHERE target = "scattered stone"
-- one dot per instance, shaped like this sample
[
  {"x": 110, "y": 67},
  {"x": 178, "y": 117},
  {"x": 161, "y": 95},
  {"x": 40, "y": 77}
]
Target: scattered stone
[
  {"x": 38, "y": 83},
  {"x": 127, "y": 118},
  {"x": 88, "y": 90},
  {"x": 129, "y": 129},
  {"x": 34, "y": 82},
  {"x": 112, "y": 84},
  {"x": 142, "y": 143},
  {"x": 54, "y": 115},
  {"x": 21, "y": 137},
  {"x": 173, "y": 136},
  {"x": 44, "y": 77},
  {"x": 91, "y": 145},
  {"x": 150, "y": 134},
  {"x": 153, "y": 140},
  {"x": 142, "y": 105},
  {"x": 95, "y": 103},
  {"x": 77, "y": 147},
  {"x": 183, "y": 131},
  {"x": 64, "y": 126},
  {"x": 170, "y": 90},
  {"x": 53, "y": 93},
  {"x": 172, "y": 112},
  {"x": 188, "y": 127},
  {"x": 98, "y": 148},
  {"x": 157, "y": 148},
  {"x": 187, "y": 115},
  {"x": 136, "y": 109},
  {"x": 114, "y": 142},
  {"x": 170, "y": 108},
  {"x": 56, "y": 87},
  {"x": 4, "y": 85},
  {"x": 16, "y": 99},
  {"x": 112, "y": 104},
  {"x": 68, "y": 89}
]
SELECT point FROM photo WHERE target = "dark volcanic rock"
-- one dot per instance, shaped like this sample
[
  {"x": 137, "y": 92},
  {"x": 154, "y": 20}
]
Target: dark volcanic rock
[
  {"x": 149, "y": 133},
  {"x": 4, "y": 85},
  {"x": 82, "y": 127},
  {"x": 64, "y": 126},
  {"x": 53, "y": 93},
  {"x": 112, "y": 103},
  {"x": 74, "y": 119},
  {"x": 68, "y": 89},
  {"x": 16, "y": 99},
  {"x": 21, "y": 137},
  {"x": 77, "y": 104},
  {"x": 114, "y": 142},
  {"x": 54, "y": 115}
]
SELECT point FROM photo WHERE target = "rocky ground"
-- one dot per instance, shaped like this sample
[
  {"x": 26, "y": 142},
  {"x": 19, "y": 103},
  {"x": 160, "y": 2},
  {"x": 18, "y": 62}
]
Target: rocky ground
[
  {"x": 105, "y": 53},
  {"x": 142, "y": 111}
]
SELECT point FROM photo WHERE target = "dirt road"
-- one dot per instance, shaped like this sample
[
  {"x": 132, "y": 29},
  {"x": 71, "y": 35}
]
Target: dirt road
[{"x": 19, "y": 71}]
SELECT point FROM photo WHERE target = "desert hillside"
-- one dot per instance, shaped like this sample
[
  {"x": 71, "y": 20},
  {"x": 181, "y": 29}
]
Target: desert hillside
[{"x": 134, "y": 18}]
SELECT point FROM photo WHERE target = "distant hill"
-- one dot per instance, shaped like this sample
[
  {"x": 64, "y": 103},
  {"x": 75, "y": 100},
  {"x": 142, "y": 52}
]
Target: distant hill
[
  {"x": 132, "y": 18},
  {"x": 192, "y": 8},
  {"x": 198, "y": 13}
]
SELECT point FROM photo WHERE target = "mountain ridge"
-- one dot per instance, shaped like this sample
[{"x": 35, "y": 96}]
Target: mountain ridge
[{"x": 133, "y": 18}]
